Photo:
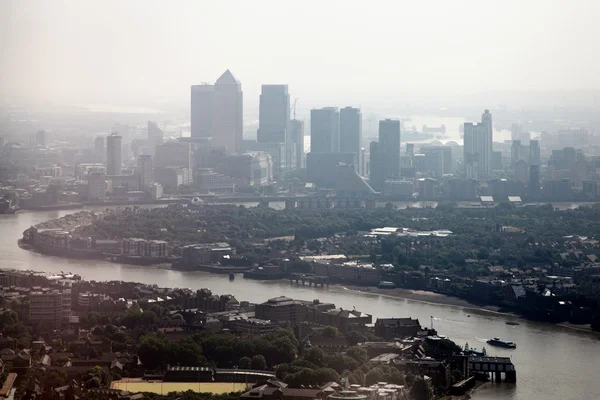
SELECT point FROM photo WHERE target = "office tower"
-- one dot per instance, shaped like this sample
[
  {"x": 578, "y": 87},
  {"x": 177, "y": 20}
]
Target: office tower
[
  {"x": 99, "y": 151},
  {"x": 351, "y": 133},
  {"x": 521, "y": 171},
  {"x": 440, "y": 156},
  {"x": 410, "y": 148},
  {"x": 228, "y": 115},
  {"x": 274, "y": 114},
  {"x": 478, "y": 144},
  {"x": 155, "y": 136},
  {"x": 177, "y": 153},
  {"x": 217, "y": 112},
  {"x": 202, "y": 110},
  {"x": 96, "y": 186},
  {"x": 389, "y": 147},
  {"x": 534, "y": 152},
  {"x": 273, "y": 126},
  {"x": 297, "y": 136},
  {"x": 534, "y": 182},
  {"x": 434, "y": 162},
  {"x": 50, "y": 308},
  {"x": 40, "y": 138},
  {"x": 325, "y": 130},
  {"x": 515, "y": 152},
  {"x": 376, "y": 167},
  {"x": 516, "y": 131},
  {"x": 145, "y": 170},
  {"x": 496, "y": 160},
  {"x": 114, "y": 160}
]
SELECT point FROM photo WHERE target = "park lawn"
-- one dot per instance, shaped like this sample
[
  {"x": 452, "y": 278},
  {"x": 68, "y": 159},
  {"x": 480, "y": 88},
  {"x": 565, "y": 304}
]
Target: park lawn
[{"x": 163, "y": 388}]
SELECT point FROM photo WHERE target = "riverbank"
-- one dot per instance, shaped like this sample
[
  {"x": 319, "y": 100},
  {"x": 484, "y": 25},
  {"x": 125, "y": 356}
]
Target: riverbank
[{"x": 426, "y": 296}]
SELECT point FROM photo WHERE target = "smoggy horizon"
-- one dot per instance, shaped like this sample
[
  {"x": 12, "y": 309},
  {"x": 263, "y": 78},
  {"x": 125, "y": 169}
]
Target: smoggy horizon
[{"x": 147, "y": 53}]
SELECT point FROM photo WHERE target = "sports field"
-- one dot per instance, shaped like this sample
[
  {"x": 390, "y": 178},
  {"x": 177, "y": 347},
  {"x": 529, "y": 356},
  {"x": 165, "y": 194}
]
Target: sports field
[{"x": 138, "y": 385}]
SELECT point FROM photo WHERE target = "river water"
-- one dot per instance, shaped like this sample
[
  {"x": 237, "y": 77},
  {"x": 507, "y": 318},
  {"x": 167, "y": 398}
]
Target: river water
[{"x": 552, "y": 362}]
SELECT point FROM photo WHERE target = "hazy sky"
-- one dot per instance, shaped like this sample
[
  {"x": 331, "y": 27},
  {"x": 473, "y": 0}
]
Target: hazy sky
[{"x": 329, "y": 52}]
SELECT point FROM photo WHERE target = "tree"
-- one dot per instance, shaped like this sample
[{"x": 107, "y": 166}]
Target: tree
[
  {"x": 354, "y": 338},
  {"x": 420, "y": 390},
  {"x": 358, "y": 354},
  {"x": 246, "y": 363},
  {"x": 259, "y": 362},
  {"x": 330, "y": 331},
  {"x": 340, "y": 362},
  {"x": 316, "y": 356},
  {"x": 324, "y": 375},
  {"x": 152, "y": 351},
  {"x": 374, "y": 376}
]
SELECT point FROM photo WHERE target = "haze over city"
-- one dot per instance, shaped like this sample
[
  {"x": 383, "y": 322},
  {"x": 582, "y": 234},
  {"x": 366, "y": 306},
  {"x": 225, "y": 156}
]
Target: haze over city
[
  {"x": 310, "y": 200},
  {"x": 147, "y": 53}
]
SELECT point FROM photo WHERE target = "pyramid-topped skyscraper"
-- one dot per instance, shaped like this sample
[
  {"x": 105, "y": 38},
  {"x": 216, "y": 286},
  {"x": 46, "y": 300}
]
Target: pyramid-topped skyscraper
[{"x": 217, "y": 112}]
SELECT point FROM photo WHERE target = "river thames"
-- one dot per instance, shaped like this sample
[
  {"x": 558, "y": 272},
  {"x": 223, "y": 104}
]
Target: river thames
[{"x": 552, "y": 362}]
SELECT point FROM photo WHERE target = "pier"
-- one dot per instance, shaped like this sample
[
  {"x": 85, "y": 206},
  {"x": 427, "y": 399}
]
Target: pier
[
  {"x": 310, "y": 279},
  {"x": 494, "y": 366}
]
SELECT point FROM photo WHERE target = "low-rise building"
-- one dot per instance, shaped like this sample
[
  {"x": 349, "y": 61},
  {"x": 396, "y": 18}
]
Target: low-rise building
[
  {"x": 51, "y": 308},
  {"x": 390, "y": 328}
]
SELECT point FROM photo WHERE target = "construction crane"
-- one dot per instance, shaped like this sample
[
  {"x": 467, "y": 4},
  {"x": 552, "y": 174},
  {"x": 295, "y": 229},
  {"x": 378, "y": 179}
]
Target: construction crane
[{"x": 293, "y": 107}]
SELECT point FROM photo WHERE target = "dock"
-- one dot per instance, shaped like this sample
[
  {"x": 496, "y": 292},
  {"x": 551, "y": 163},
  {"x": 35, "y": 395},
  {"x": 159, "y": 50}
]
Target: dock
[
  {"x": 494, "y": 367},
  {"x": 310, "y": 279}
]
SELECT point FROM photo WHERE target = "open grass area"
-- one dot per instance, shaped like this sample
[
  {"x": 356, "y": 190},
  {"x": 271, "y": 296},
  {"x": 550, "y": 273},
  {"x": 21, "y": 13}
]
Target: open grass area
[{"x": 137, "y": 385}]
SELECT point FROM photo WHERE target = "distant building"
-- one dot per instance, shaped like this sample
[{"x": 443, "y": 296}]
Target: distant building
[
  {"x": 534, "y": 152},
  {"x": 96, "y": 187},
  {"x": 297, "y": 136},
  {"x": 496, "y": 160},
  {"x": 114, "y": 159},
  {"x": 403, "y": 189},
  {"x": 349, "y": 184},
  {"x": 321, "y": 167},
  {"x": 155, "y": 136},
  {"x": 176, "y": 153},
  {"x": 99, "y": 151},
  {"x": 40, "y": 138},
  {"x": 274, "y": 114},
  {"x": 250, "y": 169},
  {"x": 202, "y": 110},
  {"x": 207, "y": 179},
  {"x": 325, "y": 130},
  {"x": 171, "y": 177},
  {"x": 229, "y": 114},
  {"x": 217, "y": 112},
  {"x": 478, "y": 140},
  {"x": 351, "y": 133},
  {"x": 521, "y": 171},
  {"x": 460, "y": 189},
  {"x": 276, "y": 150},
  {"x": 145, "y": 170},
  {"x": 385, "y": 154},
  {"x": 534, "y": 182}
]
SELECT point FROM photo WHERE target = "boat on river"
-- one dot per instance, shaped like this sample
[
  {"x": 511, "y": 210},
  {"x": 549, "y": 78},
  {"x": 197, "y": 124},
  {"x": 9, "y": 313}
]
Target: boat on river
[{"x": 502, "y": 343}]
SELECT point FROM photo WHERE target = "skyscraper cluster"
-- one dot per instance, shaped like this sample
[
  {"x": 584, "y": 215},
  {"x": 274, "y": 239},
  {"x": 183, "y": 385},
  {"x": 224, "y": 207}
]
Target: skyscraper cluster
[{"x": 335, "y": 138}]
